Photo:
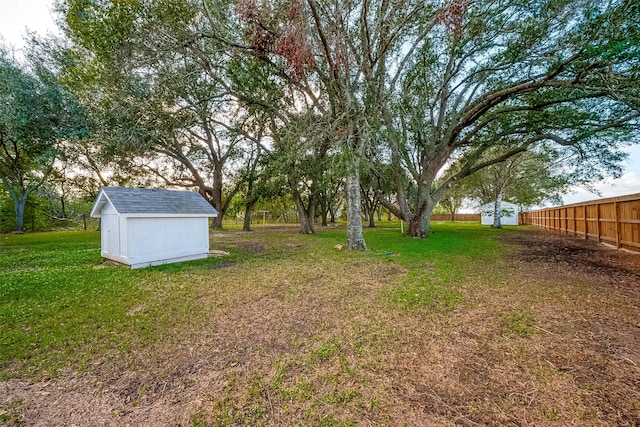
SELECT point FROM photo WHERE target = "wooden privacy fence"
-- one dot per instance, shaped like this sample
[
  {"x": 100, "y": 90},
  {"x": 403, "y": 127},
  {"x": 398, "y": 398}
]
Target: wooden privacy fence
[
  {"x": 615, "y": 220},
  {"x": 456, "y": 217}
]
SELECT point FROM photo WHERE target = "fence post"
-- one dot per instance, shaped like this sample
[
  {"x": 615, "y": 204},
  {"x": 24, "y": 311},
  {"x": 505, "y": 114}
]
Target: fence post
[
  {"x": 598, "y": 222},
  {"x": 546, "y": 219},
  {"x": 617, "y": 218},
  {"x": 586, "y": 224},
  {"x": 575, "y": 224}
]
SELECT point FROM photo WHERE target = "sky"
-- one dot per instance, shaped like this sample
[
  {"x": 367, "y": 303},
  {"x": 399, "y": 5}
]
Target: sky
[{"x": 18, "y": 15}]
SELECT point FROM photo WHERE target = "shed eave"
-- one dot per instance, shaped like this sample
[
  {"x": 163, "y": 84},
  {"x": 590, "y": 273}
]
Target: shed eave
[
  {"x": 98, "y": 205},
  {"x": 167, "y": 215}
]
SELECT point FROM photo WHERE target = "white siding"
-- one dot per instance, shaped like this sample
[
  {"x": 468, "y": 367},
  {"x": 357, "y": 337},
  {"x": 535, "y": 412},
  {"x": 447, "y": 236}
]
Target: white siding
[
  {"x": 161, "y": 239},
  {"x": 509, "y": 214}
]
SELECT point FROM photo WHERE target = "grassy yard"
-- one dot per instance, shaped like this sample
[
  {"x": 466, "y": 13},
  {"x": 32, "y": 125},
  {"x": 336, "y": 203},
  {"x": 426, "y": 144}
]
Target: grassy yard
[{"x": 455, "y": 329}]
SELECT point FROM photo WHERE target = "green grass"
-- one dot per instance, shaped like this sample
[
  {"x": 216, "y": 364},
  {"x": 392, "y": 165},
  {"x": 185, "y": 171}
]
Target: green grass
[
  {"x": 436, "y": 265},
  {"x": 62, "y": 305},
  {"x": 520, "y": 322},
  {"x": 290, "y": 331}
]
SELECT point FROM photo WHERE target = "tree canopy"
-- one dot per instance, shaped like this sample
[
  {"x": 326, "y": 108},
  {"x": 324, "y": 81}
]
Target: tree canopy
[{"x": 415, "y": 95}]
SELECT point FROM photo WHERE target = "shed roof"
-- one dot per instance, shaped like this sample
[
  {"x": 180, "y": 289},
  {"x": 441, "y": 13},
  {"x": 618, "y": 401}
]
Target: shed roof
[{"x": 152, "y": 201}]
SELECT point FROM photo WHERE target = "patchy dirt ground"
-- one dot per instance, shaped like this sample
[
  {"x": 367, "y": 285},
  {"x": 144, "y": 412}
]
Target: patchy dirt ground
[{"x": 550, "y": 335}]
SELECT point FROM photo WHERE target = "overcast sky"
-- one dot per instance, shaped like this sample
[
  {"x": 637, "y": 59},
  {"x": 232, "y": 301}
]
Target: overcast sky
[{"x": 18, "y": 15}]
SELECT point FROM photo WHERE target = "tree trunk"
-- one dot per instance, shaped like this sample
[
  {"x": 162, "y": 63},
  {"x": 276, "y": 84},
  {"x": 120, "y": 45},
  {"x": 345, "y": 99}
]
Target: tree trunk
[
  {"x": 497, "y": 212},
  {"x": 216, "y": 222},
  {"x": 216, "y": 197},
  {"x": 324, "y": 210},
  {"x": 306, "y": 223},
  {"x": 419, "y": 222},
  {"x": 355, "y": 238},
  {"x": 19, "y": 205},
  {"x": 372, "y": 222},
  {"x": 414, "y": 227},
  {"x": 63, "y": 208},
  {"x": 306, "y": 215},
  {"x": 246, "y": 225}
]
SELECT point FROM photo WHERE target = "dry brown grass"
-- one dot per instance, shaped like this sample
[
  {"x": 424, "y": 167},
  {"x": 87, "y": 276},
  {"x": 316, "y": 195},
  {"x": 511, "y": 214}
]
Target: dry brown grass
[{"x": 300, "y": 335}]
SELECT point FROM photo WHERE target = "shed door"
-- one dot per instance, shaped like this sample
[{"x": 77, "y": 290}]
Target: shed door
[{"x": 110, "y": 234}]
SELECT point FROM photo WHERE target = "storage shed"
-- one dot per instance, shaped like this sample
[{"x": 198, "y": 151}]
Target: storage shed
[
  {"x": 142, "y": 227},
  {"x": 508, "y": 213}
]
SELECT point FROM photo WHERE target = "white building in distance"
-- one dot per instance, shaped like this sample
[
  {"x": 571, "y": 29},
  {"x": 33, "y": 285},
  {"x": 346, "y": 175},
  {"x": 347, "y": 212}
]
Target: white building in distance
[{"x": 508, "y": 214}]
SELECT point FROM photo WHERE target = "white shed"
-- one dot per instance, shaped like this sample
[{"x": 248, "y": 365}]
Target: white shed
[
  {"x": 142, "y": 227},
  {"x": 508, "y": 214}
]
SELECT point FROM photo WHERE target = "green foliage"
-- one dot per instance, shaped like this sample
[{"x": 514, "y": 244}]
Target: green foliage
[
  {"x": 162, "y": 111},
  {"x": 40, "y": 215},
  {"x": 472, "y": 87},
  {"x": 526, "y": 179},
  {"x": 517, "y": 76},
  {"x": 36, "y": 114},
  {"x": 35, "y": 218}
]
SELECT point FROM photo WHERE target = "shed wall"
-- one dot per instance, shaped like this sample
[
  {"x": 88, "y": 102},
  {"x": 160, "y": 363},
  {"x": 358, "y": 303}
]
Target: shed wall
[
  {"x": 158, "y": 240},
  {"x": 509, "y": 214}
]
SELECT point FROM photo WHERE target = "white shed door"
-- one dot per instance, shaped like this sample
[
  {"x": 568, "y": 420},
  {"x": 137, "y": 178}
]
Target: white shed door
[{"x": 110, "y": 234}]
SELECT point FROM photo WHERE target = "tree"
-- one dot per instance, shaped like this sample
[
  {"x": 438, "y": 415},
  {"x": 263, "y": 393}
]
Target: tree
[
  {"x": 526, "y": 179},
  {"x": 36, "y": 114},
  {"x": 306, "y": 47},
  {"x": 428, "y": 82},
  {"x": 492, "y": 72},
  {"x": 301, "y": 153},
  {"x": 453, "y": 200},
  {"x": 375, "y": 180},
  {"x": 162, "y": 92},
  {"x": 331, "y": 196}
]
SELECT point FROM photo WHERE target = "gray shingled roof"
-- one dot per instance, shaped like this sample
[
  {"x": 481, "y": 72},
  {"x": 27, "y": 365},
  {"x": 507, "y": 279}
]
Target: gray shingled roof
[{"x": 153, "y": 201}]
